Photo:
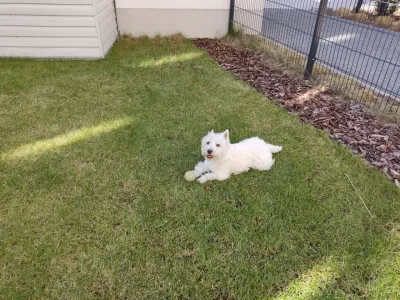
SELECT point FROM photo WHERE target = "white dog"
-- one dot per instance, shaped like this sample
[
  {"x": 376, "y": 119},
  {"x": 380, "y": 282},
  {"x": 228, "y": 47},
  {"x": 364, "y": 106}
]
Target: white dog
[{"x": 223, "y": 158}]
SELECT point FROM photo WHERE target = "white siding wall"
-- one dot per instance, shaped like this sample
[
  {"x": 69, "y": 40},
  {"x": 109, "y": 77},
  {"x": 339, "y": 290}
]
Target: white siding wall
[
  {"x": 192, "y": 18},
  {"x": 107, "y": 23},
  {"x": 55, "y": 28}
]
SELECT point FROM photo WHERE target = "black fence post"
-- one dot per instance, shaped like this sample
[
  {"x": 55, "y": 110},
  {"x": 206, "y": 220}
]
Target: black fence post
[
  {"x": 382, "y": 8},
  {"x": 358, "y": 6},
  {"x": 231, "y": 15},
  {"x": 315, "y": 40}
]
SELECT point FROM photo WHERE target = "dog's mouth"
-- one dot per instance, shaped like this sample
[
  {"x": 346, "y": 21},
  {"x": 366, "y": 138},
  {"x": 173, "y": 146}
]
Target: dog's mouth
[{"x": 209, "y": 156}]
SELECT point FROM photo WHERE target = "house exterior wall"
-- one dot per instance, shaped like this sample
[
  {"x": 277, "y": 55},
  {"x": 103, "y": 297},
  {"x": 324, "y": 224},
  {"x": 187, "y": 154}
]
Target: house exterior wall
[
  {"x": 192, "y": 18},
  {"x": 55, "y": 29},
  {"x": 107, "y": 23}
]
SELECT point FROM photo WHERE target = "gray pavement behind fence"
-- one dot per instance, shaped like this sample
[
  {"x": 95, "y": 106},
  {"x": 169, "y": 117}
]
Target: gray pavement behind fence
[{"x": 367, "y": 53}]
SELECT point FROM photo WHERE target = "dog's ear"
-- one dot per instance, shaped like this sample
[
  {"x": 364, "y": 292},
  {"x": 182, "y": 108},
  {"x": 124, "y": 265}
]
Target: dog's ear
[
  {"x": 212, "y": 131},
  {"x": 226, "y": 134}
]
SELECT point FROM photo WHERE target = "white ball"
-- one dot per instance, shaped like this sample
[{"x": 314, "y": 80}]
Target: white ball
[{"x": 189, "y": 176}]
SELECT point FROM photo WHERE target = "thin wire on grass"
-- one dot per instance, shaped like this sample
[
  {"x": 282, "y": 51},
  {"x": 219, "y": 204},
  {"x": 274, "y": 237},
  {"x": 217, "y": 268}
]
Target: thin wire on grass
[{"x": 359, "y": 195}]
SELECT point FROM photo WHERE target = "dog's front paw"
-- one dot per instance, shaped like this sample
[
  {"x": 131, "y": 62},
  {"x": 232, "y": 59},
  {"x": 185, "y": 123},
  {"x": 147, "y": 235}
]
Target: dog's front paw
[{"x": 202, "y": 179}]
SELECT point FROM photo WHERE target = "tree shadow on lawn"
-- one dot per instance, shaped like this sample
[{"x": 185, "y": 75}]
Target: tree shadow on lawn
[{"x": 112, "y": 216}]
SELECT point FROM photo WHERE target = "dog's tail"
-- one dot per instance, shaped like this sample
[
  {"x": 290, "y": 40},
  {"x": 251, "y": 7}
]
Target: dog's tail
[{"x": 275, "y": 149}]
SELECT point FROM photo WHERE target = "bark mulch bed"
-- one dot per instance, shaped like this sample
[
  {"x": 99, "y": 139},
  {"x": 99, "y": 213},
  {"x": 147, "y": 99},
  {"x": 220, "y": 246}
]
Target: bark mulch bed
[{"x": 346, "y": 122}]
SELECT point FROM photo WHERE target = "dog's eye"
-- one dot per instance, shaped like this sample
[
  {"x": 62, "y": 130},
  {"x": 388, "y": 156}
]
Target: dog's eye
[
  {"x": 217, "y": 145},
  {"x": 208, "y": 143}
]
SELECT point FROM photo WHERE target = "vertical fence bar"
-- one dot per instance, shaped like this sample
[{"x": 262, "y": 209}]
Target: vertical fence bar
[
  {"x": 382, "y": 7},
  {"x": 358, "y": 6},
  {"x": 315, "y": 39},
  {"x": 231, "y": 16}
]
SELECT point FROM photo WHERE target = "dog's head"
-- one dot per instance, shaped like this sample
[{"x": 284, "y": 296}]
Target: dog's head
[{"x": 215, "y": 145}]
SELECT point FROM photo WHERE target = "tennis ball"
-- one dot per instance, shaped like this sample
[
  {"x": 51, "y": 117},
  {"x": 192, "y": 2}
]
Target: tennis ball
[{"x": 189, "y": 176}]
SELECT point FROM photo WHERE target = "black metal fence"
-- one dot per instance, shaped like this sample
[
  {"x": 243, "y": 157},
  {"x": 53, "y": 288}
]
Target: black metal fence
[{"x": 352, "y": 45}]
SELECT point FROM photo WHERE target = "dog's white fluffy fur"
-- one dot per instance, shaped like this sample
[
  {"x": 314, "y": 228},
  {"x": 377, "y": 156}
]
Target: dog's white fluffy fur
[{"x": 222, "y": 159}]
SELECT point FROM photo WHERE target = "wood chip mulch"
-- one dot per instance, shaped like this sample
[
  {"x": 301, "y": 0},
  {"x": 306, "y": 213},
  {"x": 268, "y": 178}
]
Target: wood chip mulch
[{"x": 348, "y": 123}]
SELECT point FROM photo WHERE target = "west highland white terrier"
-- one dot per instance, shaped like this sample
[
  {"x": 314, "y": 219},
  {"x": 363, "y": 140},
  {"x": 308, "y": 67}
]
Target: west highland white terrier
[{"x": 222, "y": 159}]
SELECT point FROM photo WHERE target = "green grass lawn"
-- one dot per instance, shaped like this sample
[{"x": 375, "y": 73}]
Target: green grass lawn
[{"x": 93, "y": 203}]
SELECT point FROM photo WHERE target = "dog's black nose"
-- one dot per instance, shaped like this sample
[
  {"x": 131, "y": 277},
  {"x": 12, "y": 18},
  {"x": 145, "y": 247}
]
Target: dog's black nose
[{"x": 209, "y": 151}]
